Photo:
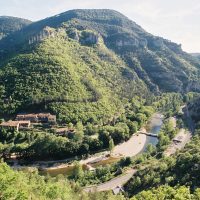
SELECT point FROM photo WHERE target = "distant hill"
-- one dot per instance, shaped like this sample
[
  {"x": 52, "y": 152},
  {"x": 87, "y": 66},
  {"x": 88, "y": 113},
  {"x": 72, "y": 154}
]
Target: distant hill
[
  {"x": 83, "y": 64},
  {"x": 195, "y": 54},
  {"x": 9, "y": 25}
]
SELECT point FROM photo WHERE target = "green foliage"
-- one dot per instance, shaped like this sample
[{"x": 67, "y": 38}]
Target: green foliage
[
  {"x": 168, "y": 103},
  {"x": 23, "y": 186},
  {"x": 167, "y": 192},
  {"x": 9, "y": 25},
  {"x": 166, "y": 134},
  {"x": 111, "y": 145},
  {"x": 181, "y": 169},
  {"x": 16, "y": 185},
  {"x": 78, "y": 171}
]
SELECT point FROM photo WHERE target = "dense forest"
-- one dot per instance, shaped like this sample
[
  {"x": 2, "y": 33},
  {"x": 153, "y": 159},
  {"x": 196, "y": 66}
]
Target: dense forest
[
  {"x": 9, "y": 25},
  {"x": 42, "y": 144}
]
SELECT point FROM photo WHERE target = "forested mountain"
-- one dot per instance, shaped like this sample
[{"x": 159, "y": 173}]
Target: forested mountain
[
  {"x": 196, "y": 55},
  {"x": 11, "y": 24},
  {"x": 82, "y": 64},
  {"x": 103, "y": 76}
]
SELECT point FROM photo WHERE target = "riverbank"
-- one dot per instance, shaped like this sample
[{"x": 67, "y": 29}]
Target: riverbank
[
  {"x": 127, "y": 149},
  {"x": 135, "y": 145},
  {"x": 183, "y": 136},
  {"x": 132, "y": 147},
  {"x": 179, "y": 141}
]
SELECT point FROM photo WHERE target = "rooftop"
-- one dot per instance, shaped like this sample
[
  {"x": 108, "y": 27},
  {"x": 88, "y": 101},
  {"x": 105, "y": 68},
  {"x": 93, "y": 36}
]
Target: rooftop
[
  {"x": 10, "y": 123},
  {"x": 14, "y": 123}
]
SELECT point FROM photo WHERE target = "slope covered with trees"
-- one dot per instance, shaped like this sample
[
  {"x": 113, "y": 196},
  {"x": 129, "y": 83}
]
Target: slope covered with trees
[
  {"x": 24, "y": 186},
  {"x": 9, "y": 25},
  {"x": 182, "y": 169},
  {"x": 86, "y": 63},
  {"x": 104, "y": 74}
]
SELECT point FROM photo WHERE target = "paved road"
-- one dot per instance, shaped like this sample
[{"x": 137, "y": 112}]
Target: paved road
[
  {"x": 113, "y": 183},
  {"x": 184, "y": 134}
]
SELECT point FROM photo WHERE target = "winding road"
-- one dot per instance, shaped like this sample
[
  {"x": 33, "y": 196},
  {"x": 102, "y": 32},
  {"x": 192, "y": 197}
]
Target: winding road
[{"x": 113, "y": 183}]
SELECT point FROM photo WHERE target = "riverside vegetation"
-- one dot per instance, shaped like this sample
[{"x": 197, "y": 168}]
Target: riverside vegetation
[{"x": 103, "y": 75}]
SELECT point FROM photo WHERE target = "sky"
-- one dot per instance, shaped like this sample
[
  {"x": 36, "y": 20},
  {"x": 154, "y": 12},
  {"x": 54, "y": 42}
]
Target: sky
[{"x": 176, "y": 20}]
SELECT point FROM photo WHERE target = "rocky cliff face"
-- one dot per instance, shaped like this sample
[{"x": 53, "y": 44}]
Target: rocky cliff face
[
  {"x": 47, "y": 32},
  {"x": 85, "y": 37}
]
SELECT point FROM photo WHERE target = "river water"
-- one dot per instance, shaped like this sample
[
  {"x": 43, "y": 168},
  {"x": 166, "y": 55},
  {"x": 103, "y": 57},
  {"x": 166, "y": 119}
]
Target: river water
[{"x": 154, "y": 126}]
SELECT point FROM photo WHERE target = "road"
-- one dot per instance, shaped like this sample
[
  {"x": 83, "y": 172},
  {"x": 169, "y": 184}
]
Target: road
[
  {"x": 113, "y": 183},
  {"x": 174, "y": 146},
  {"x": 183, "y": 135}
]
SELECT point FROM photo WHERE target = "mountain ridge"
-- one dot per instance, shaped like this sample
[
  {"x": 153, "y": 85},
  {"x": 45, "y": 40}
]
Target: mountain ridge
[
  {"x": 116, "y": 57},
  {"x": 9, "y": 24}
]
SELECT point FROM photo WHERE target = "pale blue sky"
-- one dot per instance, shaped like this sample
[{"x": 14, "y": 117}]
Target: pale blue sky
[{"x": 177, "y": 20}]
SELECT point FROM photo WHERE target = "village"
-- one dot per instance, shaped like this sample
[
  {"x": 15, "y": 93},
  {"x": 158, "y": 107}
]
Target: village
[{"x": 25, "y": 122}]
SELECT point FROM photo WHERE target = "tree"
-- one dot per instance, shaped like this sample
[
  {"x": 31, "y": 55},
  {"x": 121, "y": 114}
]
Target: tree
[
  {"x": 150, "y": 149},
  {"x": 70, "y": 125},
  {"x": 111, "y": 145},
  {"x": 104, "y": 138},
  {"x": 133, "y": 126},
  {"x": 78, "y": 136},
  {"x": 78, "y": 170},
  {"x": 79, "y": 126},
  {"x": 141, "y": 118}
]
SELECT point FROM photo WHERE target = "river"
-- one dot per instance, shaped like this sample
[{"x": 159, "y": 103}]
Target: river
[
  {"x": 136, "y": 145},
  {"x": 154, "y": 127}
]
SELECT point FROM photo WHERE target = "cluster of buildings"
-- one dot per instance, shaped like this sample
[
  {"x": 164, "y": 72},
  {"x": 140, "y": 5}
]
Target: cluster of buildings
[
  {"x": 37, "y": 118},
  {"x": 23, "y": 121}
]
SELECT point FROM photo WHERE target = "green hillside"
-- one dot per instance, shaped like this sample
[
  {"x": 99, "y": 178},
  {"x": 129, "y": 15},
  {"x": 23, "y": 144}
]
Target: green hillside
[
  {"x": 85, "y": 64},
  {"x": 103, "y": 76},
  {"x": 9, "y": 25},
  {"x": 54, "y": 76}
]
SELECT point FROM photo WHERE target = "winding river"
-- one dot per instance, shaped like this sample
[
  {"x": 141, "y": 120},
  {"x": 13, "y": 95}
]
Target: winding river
[{"x": 136, "y": 145}]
